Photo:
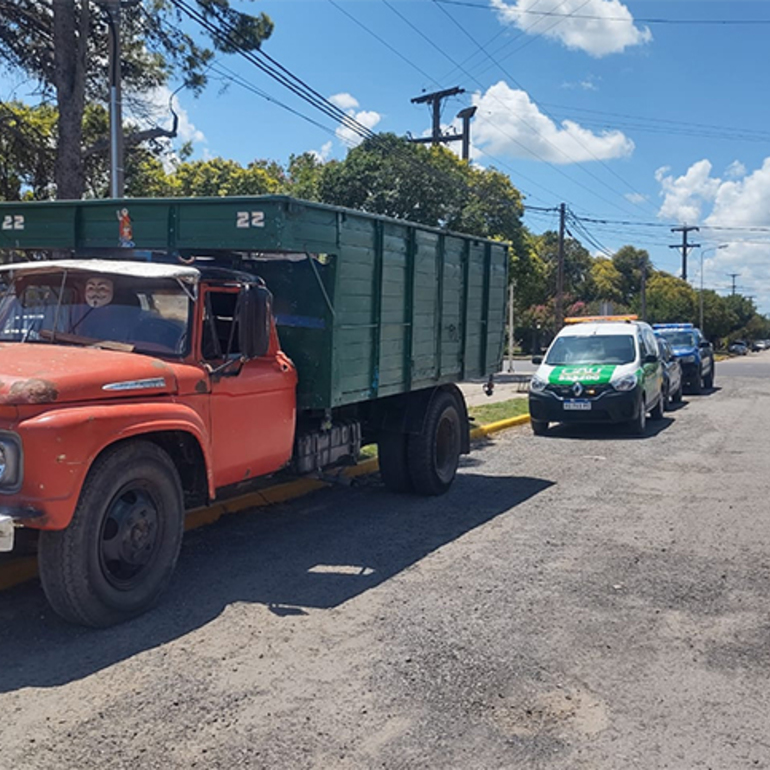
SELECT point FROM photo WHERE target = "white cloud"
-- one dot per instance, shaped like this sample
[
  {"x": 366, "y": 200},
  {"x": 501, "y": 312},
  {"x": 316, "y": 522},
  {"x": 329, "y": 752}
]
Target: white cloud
[
  {"x": 509, "y": 123},
  {"x": 586, "y": 84},
  {"x": 323, "y": 154},
  {"x": 735, "y": 170},
  {"x": 344, "y": 101},
  {"x": 367, "y": 118},
  {"x": 635, "y": 197},
  {"x": 684, "y": 196},
  {"x": 610, "y": 29},
  {"x": 734, "y": 204}
]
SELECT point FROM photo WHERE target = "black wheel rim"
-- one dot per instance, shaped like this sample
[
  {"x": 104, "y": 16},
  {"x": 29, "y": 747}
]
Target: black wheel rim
[
  {"x": 447, "y": 448},
  {"x": 130, "y": 537}
]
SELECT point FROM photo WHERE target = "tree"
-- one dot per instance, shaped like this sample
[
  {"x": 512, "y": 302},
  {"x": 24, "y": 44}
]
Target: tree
[
  {"x": 607, "y": 280},
  {"x": 26, "y": 154},
  {"x": 670, "y": 300},
  {"x": 62, "y": 45},
  {"x": 629, "y": 261},
  {"x": 431, "y": 185}
]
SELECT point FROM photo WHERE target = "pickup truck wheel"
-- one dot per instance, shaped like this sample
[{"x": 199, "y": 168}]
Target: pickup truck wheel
[
  {"x": 118, "y": 553},
  {"x": 394, "y": 467},
  {"x": 708, "y": 380},
  {"x": 434, "y": 454},
  {"x": 697, "y": 385}
]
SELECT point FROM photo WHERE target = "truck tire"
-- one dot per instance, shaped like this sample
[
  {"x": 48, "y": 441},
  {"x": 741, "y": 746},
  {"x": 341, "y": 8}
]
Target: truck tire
[
  {"x": 708, "y": 380},
  {"x": 697, "y": 385},
  {"x": 434, "y": 453},
  {"x": 117, "y": 555},
  {"x": 394, "y": 466},
  {"x": 539, "y": 427}
]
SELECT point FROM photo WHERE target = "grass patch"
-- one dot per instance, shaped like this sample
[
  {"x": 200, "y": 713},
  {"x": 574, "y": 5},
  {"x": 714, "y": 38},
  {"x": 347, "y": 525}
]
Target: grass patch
[{"x": 499, "y": 410}]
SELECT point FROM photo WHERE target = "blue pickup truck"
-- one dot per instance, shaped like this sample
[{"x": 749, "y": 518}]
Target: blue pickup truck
[{"x": 694, "y": 353}]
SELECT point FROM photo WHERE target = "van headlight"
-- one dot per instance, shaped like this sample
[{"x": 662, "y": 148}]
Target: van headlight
[
  {"x": 10, "y": 462},
  {"x": 537, "y": 384},
  {"x": 625, "y": 383}
]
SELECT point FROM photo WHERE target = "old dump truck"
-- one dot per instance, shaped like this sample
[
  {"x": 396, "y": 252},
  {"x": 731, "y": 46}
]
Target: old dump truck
[{"x": 156, "y": 355}]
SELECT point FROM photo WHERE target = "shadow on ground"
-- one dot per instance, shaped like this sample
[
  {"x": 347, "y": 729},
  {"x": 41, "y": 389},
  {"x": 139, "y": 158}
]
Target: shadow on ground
[{"x": 315, "y": 553}]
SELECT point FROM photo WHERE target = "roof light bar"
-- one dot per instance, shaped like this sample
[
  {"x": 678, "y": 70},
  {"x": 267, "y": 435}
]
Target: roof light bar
[{"x": 580, "y": 319}]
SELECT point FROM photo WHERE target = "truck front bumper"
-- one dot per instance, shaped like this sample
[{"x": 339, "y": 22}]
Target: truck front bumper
[{"x": 8, "y": 518}]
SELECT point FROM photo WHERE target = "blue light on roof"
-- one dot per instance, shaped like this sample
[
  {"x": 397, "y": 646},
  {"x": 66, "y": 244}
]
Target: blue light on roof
[{"x": 673, "y": 326}]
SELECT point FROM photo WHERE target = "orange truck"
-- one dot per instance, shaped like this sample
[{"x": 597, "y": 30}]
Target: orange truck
[{"x": 178, "y": 352}]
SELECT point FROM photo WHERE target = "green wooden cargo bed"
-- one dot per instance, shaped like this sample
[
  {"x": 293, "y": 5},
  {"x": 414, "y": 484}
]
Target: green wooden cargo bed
[{"x": 366, "y": 306}]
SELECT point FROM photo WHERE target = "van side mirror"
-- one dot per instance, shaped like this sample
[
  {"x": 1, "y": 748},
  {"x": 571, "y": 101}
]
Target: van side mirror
[
  {"x": 651, "y": 358},
  {"x": 537, "y": 359},
  {"x": 705, "y": 344},
  {"x": 255, "y": 309}
]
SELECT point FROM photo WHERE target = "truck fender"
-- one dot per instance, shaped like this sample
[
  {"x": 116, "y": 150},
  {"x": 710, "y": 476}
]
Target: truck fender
[{"x": 65, "y": 443}]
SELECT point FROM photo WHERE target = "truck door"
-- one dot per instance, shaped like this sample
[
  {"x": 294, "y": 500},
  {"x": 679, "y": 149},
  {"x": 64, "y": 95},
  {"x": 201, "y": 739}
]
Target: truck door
[{"x": 252, "y": 403}]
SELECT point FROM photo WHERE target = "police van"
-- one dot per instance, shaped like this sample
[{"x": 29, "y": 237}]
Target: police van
[{"x": 599, "y": 369}]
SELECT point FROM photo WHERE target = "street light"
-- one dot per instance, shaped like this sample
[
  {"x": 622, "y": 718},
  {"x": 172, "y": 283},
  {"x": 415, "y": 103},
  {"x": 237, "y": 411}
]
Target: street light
[{"x": 702, "y": 255}]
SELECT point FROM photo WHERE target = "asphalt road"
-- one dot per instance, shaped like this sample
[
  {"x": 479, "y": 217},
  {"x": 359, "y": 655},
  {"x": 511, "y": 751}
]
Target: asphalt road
[{"x": 584, "y": 600}]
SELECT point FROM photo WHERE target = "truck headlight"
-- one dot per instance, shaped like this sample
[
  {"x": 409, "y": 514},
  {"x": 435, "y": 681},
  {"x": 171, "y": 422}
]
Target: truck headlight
[
  {"x": 687, "y": 359},
  {"x": 10, "y": 462},
  {"x": 537, "y": 384},
  {"x": 625, "y": 383}
]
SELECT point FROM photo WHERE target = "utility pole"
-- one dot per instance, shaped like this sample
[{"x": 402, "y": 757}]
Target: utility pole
[
  {"x": 111, "y": 10},
  {"x": 733, "y": 276},
  {"x": 644, "y": 289},
  {"x": 510, "y": 326},
  {"x": 435, "y": 99},
  {"x": 684, "y": 246},
  {"x": 560, "y": 270}
]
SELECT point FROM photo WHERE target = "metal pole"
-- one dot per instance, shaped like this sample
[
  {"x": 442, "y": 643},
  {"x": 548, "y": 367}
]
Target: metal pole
[
  {"x": 560, "y": 270},
  {"x": 117, "y": 185},
  {"x": 510, "y": 326},
  {"x": 644, "y": 290},
  {"x": 701, "y": 292}
]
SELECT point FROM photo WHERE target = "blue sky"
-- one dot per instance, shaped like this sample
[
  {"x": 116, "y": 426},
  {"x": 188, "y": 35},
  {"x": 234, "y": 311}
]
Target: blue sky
[{"x": 621, "y": 118}]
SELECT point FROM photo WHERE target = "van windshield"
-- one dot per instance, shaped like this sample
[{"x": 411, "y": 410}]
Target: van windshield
[
  {"x": 597, "y": 349},
  {"x": 147, "y": 315}
]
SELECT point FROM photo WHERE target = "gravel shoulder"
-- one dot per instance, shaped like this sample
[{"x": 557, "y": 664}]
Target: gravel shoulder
[{"x": 581, "y": 600}]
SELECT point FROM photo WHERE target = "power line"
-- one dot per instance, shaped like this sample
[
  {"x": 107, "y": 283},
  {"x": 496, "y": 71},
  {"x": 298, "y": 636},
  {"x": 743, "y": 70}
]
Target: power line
[
  {"x": 640, "y": 20},
  {"x": 515, "y": 82}
]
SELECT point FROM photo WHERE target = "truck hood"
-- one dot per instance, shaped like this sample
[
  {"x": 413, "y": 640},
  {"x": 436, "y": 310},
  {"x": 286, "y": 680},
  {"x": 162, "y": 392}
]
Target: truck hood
[{"x": 33, "y": 373}]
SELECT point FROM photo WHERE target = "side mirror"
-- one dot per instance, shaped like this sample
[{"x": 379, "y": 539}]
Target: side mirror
[
  {"x": 537, "y": 359},
  {"x": 705, "y": 344},
  {"x": 255, "y": 307},
  {"x": 651, "y": 358}
]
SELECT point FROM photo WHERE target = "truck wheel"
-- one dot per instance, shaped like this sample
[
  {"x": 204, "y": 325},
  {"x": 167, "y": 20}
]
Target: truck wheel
[
  {"x": 708, "y": 380},
  {"x": 394, "y": 467},
  {"x": 656, "y": 413},
  {"x": 120, "y": 549},
  {"x": 434, "y": 454},
  {"x": 539, "y": 427},
  {"x": 638, "y": 425},
  {"x": 697, "y": 385}
]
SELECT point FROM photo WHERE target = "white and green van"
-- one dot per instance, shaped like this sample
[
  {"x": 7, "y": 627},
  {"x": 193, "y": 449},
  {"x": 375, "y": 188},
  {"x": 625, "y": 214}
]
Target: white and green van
[{"x": 598, "y": 370}]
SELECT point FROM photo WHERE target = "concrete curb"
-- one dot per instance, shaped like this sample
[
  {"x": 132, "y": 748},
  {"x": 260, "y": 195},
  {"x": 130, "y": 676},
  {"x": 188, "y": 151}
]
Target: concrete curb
[{"x": 21, "y": 570}]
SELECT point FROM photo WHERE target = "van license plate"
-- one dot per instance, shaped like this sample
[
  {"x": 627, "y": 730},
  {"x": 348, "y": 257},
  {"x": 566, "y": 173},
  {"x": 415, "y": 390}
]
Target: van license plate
[{"x": 578, "y": 406}]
